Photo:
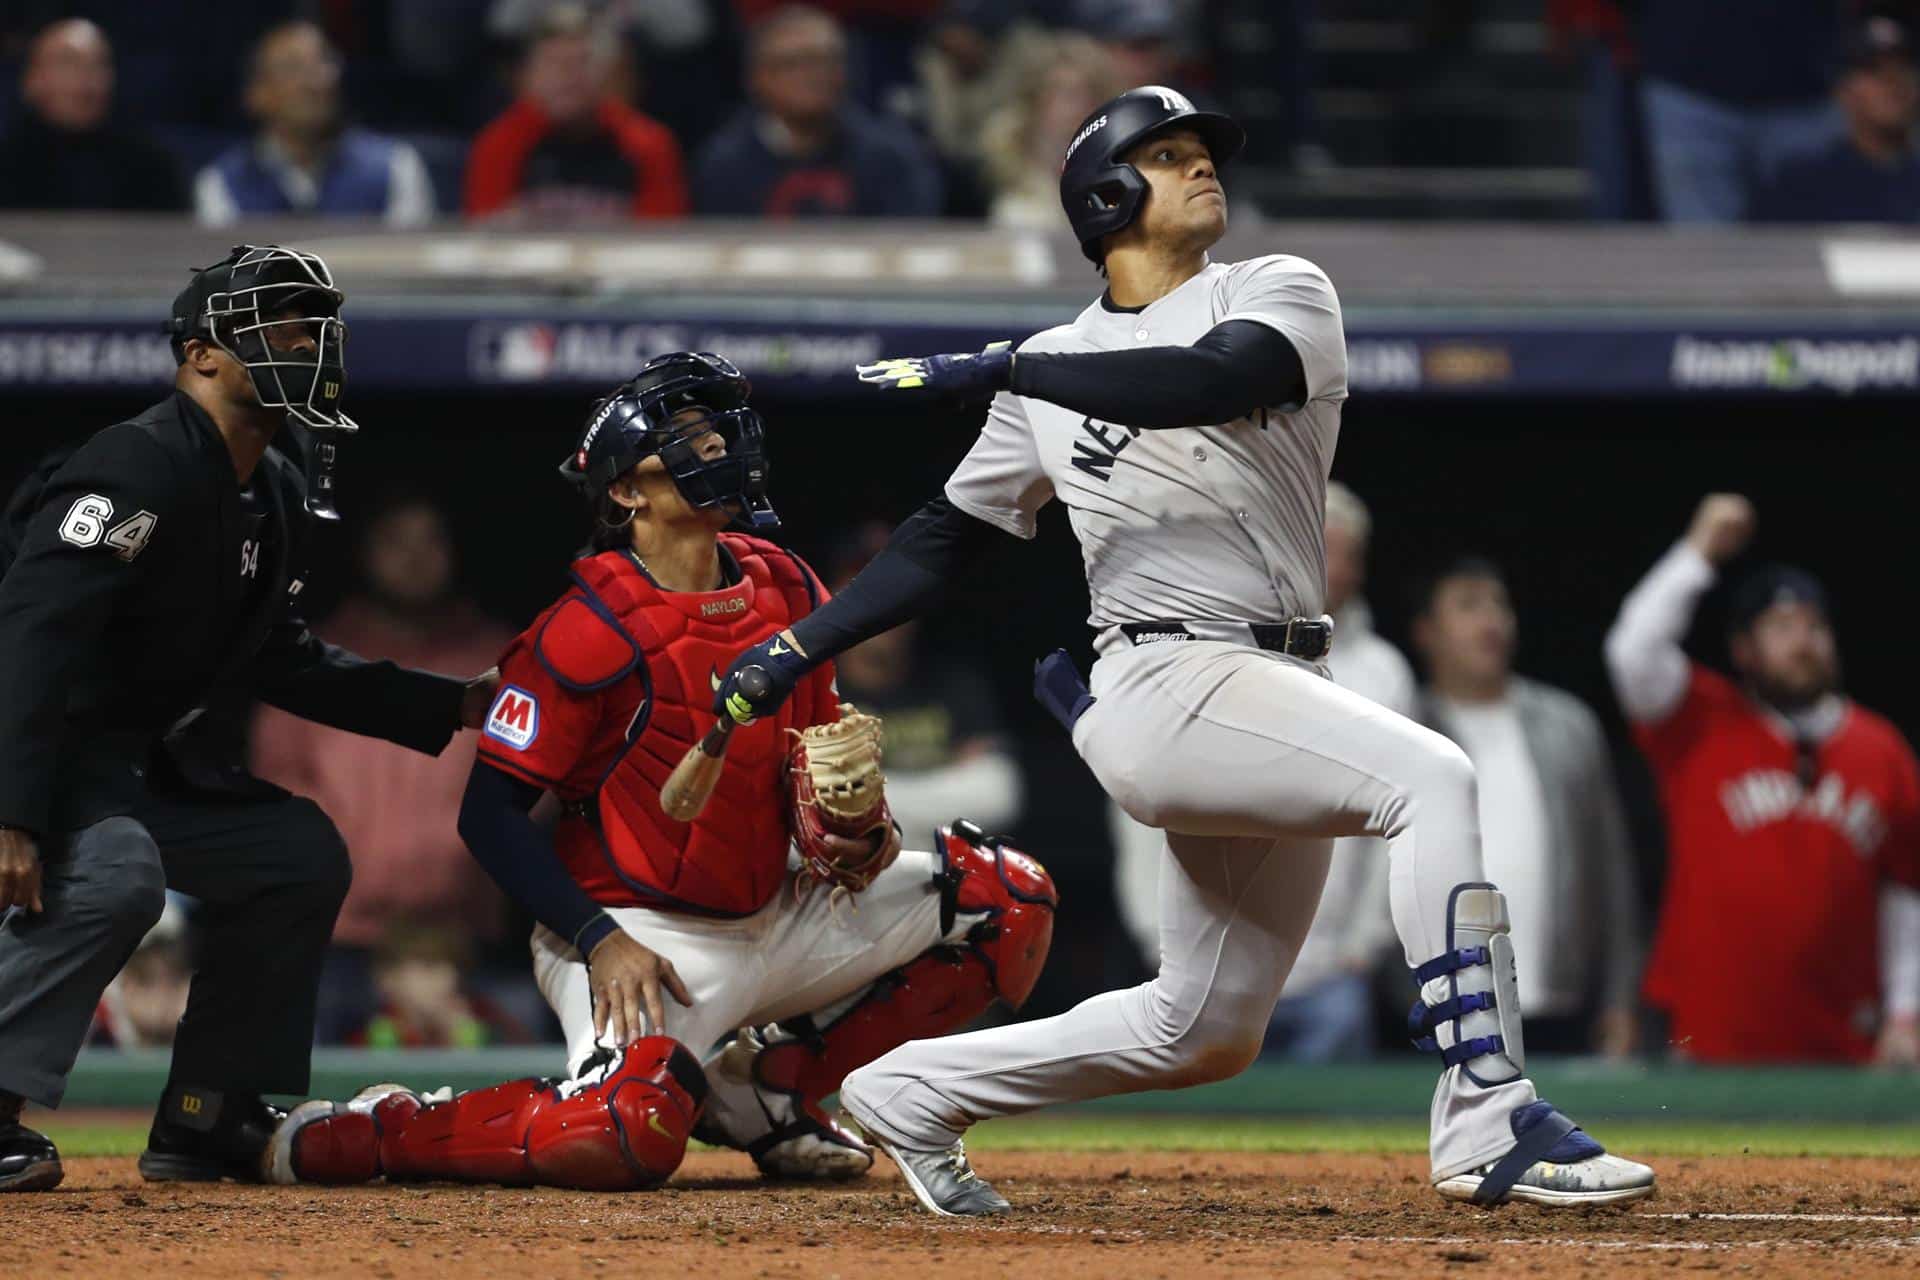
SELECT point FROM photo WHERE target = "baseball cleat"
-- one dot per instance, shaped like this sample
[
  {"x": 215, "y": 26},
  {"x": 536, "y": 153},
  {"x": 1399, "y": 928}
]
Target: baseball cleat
[
  {"x": 789, "y": 1140},
  {"x": 1554, "y": 1163},
  {"x": 944, "y": 1181},
  {"x": 28, "y": 1159},
  {"x": 329, "y": 1142}
]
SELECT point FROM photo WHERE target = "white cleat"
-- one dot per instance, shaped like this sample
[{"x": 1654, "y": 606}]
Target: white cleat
[
  {"x": 942, "y": 1180},
  {"x": 788, "y": 1140},
  {"x": 1601, "y": 1179},
  {"x": 1553, "y": 1163}
]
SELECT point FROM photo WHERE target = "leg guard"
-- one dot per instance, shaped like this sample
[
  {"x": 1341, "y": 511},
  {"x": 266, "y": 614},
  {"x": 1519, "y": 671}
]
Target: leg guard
[
  {"x": 619, "y": 1127},
  {"x": 770, "y": 1083},
  {"x": 1469, "y": 1006}
]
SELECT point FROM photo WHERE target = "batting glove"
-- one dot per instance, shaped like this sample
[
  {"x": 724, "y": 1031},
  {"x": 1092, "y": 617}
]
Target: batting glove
[
  {"x": 784, "y": 666},
  {"x": 969, "y": 376}
]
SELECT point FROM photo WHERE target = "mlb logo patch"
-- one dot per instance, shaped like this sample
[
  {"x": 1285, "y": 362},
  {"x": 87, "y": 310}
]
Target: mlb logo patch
[{"x": 515, "y": 718}]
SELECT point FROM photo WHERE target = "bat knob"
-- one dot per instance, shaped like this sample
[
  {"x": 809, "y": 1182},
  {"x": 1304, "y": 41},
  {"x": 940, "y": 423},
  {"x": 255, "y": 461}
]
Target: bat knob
[{"x": 751, "y": 685}]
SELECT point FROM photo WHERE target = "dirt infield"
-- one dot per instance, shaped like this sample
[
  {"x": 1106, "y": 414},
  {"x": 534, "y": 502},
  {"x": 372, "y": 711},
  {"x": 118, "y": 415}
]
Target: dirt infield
[{"x": 1080, "y": 1215}]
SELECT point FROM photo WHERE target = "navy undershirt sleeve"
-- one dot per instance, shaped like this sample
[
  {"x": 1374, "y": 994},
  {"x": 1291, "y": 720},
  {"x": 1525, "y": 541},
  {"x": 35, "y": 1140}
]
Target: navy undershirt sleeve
[
  {"x": 1235, "y": 369},
  {"x": 907, "y": 578},
  {"x": 495, "y": 823}
]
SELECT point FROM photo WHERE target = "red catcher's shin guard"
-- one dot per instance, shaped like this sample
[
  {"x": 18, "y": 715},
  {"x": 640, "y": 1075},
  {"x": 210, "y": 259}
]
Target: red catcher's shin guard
[
  {"x": 944, "y": 989},
  {"x": 619, "y": 1128}
]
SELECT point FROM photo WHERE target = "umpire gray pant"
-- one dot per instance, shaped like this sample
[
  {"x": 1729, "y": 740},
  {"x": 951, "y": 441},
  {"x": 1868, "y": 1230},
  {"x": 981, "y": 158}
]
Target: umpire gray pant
[{"x": 103, "y": 888}]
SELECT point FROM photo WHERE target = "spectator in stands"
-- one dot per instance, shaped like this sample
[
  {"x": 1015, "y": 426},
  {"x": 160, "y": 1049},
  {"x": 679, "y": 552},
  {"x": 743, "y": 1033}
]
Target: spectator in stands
[
  {"x": 63, "y": 151},
  {"x": 1790, "y": 928},
  {"x": 1872, "y": 173},
  {"x": 1326, "y": 1009},
  {"x": 142, "y": 1006},
  {"x": 395, "y": 809},
  {"x": 569, "y": 149},
  {"x": 947, "y": 755},
  {"x": 1138, "y": 36},
  {"x": 304, "y": 159},
  {"x": 418, "y": 972},
  {"x": 800, "y": 148},
  {"x": 1728, "y": 98},
  {"x": 1553, "y": 830},
  {"x": 1062, "y": 79},
  {"x": 979, "y": 57}
]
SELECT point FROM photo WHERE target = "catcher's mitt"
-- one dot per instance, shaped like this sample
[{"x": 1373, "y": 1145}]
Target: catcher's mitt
[{"x": 838, "y": 801}]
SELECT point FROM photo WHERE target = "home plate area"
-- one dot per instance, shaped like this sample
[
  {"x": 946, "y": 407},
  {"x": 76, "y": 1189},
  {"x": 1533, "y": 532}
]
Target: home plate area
[{"x": 1078, "y": 1214}]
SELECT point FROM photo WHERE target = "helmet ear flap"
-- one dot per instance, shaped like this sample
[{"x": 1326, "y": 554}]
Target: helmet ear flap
[{"x": 1112, "y": 202}]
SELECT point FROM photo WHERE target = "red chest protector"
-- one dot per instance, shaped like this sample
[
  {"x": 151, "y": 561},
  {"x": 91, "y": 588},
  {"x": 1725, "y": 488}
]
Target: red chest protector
[{"x": 617, "y": 842}]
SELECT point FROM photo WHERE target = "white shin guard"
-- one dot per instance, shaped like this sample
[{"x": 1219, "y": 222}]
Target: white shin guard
[{"x": 1469, "y": 1005}]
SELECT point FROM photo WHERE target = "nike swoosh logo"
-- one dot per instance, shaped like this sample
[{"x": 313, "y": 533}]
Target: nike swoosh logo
[
  {"x": 653, "y": 1123},
  {"x": 713, "y": 674},
  {"x": 776, "y": 649}
]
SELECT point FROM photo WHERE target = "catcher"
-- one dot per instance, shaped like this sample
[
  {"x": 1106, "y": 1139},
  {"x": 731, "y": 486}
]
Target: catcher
[{"x": 780, "y": 938}]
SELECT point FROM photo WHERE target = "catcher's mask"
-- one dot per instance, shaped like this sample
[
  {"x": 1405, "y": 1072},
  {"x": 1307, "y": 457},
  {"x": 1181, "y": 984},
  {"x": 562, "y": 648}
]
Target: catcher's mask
[
  {"x": 636, "y": 421},
  {"x": 255, "y": 306}
]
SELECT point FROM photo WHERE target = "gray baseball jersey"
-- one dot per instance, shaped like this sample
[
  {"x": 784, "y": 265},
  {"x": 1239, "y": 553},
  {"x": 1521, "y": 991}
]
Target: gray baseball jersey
[{"x": 1201, "y": 523}]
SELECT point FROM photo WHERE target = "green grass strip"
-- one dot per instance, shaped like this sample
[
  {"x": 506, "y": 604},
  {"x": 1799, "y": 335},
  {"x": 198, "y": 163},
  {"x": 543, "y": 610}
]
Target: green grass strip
[{"x": 1085, "y": 1132}]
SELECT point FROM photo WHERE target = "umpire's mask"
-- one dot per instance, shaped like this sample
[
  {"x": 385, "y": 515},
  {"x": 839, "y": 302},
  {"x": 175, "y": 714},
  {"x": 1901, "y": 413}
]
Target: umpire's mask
[{"x": 277, "y": 312}]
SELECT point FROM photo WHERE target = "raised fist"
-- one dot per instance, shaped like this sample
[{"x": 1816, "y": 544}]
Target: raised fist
[{"x": 1722, "y": 527}]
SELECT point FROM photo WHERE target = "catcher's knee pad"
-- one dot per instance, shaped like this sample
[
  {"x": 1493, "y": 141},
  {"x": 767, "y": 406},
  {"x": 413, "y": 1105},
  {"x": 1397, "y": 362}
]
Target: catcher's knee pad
[
  {"x": 1468, "y": 1010},
  {"x": 620, "y": 1127},
  {"x": 986, "y": 877},
  {"x": 1011, "y": 900}
]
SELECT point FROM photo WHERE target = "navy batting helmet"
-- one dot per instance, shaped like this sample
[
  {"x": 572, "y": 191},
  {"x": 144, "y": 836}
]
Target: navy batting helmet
[
  {"x": 1101, "y": 192},
  {"x": 636, "y": 421}
]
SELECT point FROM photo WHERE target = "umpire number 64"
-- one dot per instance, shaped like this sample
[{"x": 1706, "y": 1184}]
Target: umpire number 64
[{"x": 87, "y": 524}]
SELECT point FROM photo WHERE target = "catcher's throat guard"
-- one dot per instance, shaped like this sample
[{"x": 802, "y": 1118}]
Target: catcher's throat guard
[{"x": 637, "y": 421}]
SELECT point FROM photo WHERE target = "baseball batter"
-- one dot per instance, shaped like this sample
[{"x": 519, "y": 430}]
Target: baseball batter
[{"x": 1188, "y": 420}]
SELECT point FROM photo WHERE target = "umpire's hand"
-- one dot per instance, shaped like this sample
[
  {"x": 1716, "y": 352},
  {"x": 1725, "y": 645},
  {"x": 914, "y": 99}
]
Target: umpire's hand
[
  {"x": 19, "y": 870},
  {"x": 624, "y": 976}
]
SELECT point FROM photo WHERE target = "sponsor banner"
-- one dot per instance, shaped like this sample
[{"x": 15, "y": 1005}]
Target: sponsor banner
[
  {"x": 84, "y": 356},
  {"x": 434, "y": 351},
  {"x": 1843, "y": 365}
]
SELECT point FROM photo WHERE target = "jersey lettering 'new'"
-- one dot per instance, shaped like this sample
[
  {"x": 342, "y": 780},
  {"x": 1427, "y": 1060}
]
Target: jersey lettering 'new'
[
  {"x": 1767, "y": 948},
  {"x": 602, "y": 696},
  {"x": 1215, "y": 523}
]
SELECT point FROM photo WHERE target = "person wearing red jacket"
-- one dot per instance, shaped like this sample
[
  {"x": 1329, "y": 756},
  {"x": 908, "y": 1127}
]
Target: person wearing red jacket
[
  {"x": 600, "y": 698},
  {"x": 568, "y": 149},
  {"x": 1790, "y": 927}
]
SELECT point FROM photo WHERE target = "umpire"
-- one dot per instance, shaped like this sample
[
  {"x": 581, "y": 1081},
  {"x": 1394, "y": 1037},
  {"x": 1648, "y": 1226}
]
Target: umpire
[{"x": 148, "y": 598}]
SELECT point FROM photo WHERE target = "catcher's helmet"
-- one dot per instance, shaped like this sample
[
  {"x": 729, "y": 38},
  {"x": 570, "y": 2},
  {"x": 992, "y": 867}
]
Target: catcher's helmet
[
  {"x": 635, "y": 421},
  {"x": 1101, "y": 192}
]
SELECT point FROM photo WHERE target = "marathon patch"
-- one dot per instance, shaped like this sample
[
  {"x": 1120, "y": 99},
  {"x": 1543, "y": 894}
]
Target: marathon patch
[{"x": 515, "y": 718}]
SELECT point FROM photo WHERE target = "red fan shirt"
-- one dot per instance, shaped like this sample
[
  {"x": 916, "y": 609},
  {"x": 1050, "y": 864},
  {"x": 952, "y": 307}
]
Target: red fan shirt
[{"x": 1768, "y": 943}]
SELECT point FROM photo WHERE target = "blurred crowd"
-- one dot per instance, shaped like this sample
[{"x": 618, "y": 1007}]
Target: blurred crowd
[
  {"x": 555, "y": 112},
  {"x": 531, "y": 111},
  {"x": 1785, "y": 926},
  {"x": 1777, "y": 111}
]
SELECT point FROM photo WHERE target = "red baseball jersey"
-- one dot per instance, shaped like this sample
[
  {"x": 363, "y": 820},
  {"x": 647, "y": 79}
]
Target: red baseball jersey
[
  {"x": 603, "y": 695},
  {"x": 1768, "y": 943}
]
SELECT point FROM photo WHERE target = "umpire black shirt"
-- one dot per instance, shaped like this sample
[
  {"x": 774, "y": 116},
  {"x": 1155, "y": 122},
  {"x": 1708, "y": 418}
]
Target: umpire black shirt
[{"x": 140, "y": 594}]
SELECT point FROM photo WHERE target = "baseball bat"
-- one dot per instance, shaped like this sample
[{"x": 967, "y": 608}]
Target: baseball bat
[{"x": 691, "y": 783}]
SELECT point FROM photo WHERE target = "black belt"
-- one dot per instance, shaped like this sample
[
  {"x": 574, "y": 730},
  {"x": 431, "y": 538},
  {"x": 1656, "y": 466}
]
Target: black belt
[{"x": 1308, "y": 638}]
